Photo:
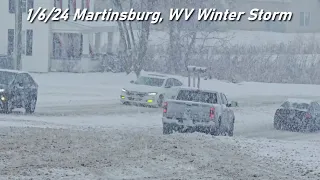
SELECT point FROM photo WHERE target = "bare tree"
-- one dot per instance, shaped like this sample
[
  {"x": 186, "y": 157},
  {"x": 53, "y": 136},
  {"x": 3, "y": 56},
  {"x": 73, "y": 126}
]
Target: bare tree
[
  {"x": 134, "y": 45},
  {"x": 188, "y": 38}
]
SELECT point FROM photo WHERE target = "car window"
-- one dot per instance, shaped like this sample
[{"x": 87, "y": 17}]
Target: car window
[
  {"x": 25, "y": 79},
  {"x": 225, "y": 98},
  {"x": 285, "y": 104},
  {"x": 197, "y": 96},
  {"x": 222, "y": 99},
  {"x": 177, "y": 82},
  {"x": 169, "y": 83},
  {"x": 149, "y": 81},
  {"x": 19, "y": 79},
  {"x": 315, "y": 107},
  {"x": 303, "y": 106}
]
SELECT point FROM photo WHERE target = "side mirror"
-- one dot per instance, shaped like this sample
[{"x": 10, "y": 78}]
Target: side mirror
[
  {"x": 131, "y": 81},
  {"x": 232, "y": 104},
  {"x": 167, "y": 86}
]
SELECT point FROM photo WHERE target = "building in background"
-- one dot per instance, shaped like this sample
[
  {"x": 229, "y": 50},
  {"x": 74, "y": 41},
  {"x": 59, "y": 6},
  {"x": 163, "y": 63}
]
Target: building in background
[
  {"x": 305, "y": 16},
  {"x": 56, "y": 46},
  {"x": 71, "y": 46}
]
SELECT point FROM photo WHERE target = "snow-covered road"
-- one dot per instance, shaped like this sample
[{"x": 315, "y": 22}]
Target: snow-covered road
[{"x": 80, "y": 131}]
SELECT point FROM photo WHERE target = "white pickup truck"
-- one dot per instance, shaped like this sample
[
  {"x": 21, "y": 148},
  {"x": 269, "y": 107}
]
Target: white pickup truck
[{"x": 195, "y": 110}]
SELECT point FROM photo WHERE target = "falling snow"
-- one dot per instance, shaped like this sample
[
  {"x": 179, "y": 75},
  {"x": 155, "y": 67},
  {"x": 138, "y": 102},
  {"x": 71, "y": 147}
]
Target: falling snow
[{"x": 103, "y": 109}]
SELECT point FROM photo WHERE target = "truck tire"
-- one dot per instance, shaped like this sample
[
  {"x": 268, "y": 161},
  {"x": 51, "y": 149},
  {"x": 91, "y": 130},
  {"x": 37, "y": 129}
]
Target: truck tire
[
  {"x": 230, "y": 132},
  {"x": 214, "y": 132},
  {"x": 167, "y": 129},
  {"x": 160, "y": 101},
  {"x": 219, "y": 130}
]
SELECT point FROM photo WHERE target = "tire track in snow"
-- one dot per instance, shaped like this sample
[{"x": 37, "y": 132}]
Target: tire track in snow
[{"x": 251, "y": 121}]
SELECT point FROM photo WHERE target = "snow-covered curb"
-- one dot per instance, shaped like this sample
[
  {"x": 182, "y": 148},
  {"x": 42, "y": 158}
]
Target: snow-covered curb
[{"x": 304, "y": 156}]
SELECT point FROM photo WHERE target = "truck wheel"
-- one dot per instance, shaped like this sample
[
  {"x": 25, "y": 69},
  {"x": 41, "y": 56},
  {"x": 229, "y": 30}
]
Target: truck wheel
[
  {"x": 160, "y": 100},
  {"x": 214, "y": 132},
  {"x": 167, "y": 129},
  {"x": 230, "y": 132},
  {"x": 219, "y": 130}
]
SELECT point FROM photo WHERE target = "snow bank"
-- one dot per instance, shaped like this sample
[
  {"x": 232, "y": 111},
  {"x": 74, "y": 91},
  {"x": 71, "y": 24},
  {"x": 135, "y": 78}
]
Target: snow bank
[
  {"x": 125, "y": 121},
  {"x": 301, "y": 155},
  {"x": 33, "y": 153}
]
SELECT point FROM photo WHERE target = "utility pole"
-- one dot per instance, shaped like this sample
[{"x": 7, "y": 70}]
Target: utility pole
[{"x": 17, "y": 35}]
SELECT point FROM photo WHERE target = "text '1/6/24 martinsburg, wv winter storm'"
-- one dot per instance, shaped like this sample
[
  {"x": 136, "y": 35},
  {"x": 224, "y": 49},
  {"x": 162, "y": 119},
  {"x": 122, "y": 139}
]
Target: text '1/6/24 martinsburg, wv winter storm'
[{"x": 206, "y": 14}]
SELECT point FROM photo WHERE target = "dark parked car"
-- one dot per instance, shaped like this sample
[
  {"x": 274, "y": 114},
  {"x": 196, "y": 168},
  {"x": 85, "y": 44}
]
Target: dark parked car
[
  {"x": 17, "y": 90},
  {"x": 298, "y": 115}
]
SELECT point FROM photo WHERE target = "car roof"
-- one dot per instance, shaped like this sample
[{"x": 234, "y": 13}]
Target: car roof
[
  {"x": 12, "y": 71},
  {"x": 300, "y": 101},
  {"x": 197, "y": 89}
]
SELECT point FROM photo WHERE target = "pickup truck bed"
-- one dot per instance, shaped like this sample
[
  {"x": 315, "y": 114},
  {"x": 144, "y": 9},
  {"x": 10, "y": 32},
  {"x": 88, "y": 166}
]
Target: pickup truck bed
[
  {"x": 195, "y": 112},
  {"x": 201, "y": 112}
]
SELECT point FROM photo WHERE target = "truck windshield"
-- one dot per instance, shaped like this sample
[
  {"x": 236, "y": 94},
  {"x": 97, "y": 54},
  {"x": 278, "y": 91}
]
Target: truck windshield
[
  {"x": 149, "y": 81},
  {"x": 197, "y": 96}
]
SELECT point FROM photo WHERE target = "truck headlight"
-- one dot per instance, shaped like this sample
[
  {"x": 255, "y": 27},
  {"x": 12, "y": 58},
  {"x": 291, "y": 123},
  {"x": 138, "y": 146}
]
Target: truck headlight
[
  {"x": 123, "y": 90},
  {"x": 1, "y": 90},
  {"x": 152, "y": 93}
]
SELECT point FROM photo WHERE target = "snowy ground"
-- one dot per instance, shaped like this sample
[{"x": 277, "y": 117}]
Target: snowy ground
[{"x": 80, "y": 131}]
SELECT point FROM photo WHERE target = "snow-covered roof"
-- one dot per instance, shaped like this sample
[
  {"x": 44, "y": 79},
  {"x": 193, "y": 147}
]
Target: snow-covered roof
[
  {"x": 153, "y": 75},
  {"x": 157, "y": 75},
  {"x": 295, "y": 100},
  {"x": 12, "y": 71}
]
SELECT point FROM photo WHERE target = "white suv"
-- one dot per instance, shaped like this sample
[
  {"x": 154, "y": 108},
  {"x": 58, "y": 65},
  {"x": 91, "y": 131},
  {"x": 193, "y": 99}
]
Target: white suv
[{"x": 150, "y": 90}]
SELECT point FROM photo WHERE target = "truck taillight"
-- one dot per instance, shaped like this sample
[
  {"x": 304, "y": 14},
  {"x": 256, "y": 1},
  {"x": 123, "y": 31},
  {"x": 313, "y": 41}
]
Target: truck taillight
[
  {"x": 211, "y": 113},
  {"x": 308, "y": 116},
  {"x": 165, "y": 107}
]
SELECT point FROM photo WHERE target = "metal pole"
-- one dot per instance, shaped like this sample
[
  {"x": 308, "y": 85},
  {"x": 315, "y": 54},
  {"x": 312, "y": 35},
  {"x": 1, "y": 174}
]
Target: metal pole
[
  {"x": 198, "y": 80},
  {"x": 189, "y": 78},
  {"x": 17, "y": 38},
  {"x": 194, "y": 79}
]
